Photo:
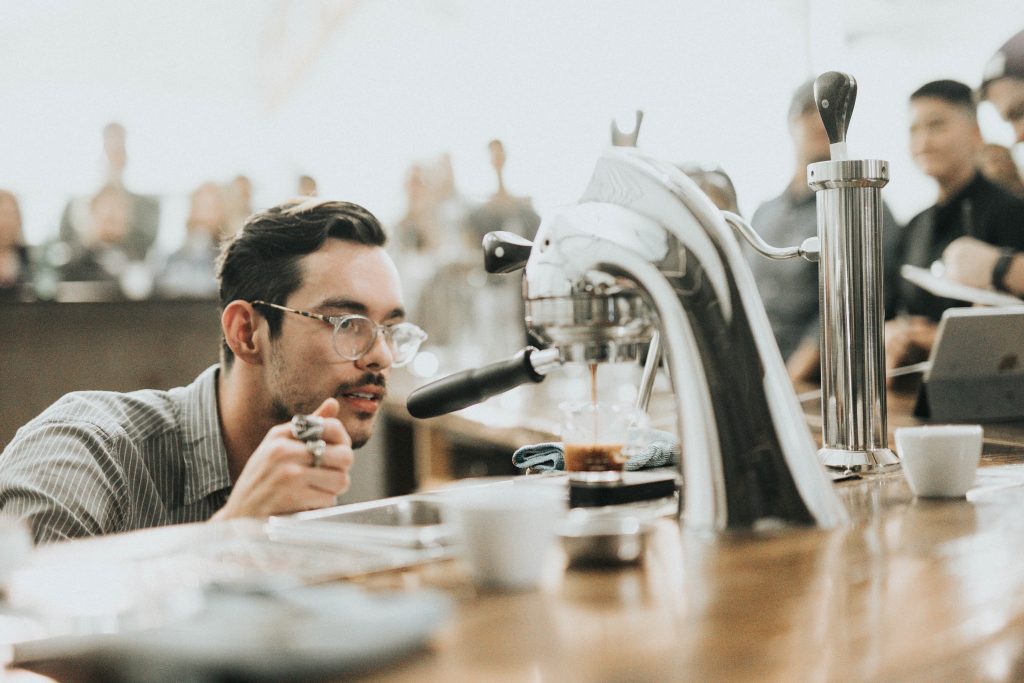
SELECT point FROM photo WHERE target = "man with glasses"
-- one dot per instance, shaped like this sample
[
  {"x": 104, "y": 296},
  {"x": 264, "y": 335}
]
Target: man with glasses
[{"x": 312, "y": 322}]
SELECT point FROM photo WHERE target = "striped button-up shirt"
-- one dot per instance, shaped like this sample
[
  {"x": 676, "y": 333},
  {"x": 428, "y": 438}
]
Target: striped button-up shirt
[{"x": 98, "y": 462}]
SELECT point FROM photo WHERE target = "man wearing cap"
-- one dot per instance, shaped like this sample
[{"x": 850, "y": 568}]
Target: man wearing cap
[
  {"x": 789, "y": 288},
  {"x": 312, "y": 322},
  {"x": 972, "y": 261},
  {"x": 1003, "y": 83}
]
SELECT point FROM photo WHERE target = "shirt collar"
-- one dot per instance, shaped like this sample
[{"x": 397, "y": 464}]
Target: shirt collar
[{"x": 203, "y": 451}]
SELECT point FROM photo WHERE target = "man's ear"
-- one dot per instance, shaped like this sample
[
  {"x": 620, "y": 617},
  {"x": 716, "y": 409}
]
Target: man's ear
[{"x": 244, "y": 331}]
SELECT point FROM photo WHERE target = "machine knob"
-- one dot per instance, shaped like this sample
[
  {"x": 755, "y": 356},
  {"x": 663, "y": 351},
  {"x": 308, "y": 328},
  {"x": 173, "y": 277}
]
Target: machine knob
[
  {"x": 835, "y": 94},
  {"x": 505, "y": 252}
]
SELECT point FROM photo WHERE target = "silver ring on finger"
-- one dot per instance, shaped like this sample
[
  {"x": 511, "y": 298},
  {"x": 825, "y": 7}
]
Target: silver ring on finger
[
  {"x": 316, "y": 449},
  {"x": 307, "y": 427}
]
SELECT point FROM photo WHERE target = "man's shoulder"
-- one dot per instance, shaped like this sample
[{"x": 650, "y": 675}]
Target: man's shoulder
[
  {"x": 148, "y": 410},
  {"x": 920, "y": 218},
  {"x": 786, "y": 218},
  {"x": 774, "y": 205},
  {"x": 989, "y": 200}
]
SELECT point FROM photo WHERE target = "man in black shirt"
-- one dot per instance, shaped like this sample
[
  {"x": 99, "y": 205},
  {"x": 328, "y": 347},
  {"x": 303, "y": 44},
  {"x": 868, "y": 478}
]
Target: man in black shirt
[{"x": 944, "y": 141}]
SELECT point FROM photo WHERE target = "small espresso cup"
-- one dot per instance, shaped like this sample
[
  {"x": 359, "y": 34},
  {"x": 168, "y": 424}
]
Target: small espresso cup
[
  {"x": 599, "y": 438},
  {"x": 940, "y": 461}
]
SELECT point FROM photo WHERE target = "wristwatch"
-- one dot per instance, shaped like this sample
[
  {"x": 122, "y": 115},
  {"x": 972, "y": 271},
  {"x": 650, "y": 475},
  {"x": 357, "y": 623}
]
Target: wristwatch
[{"x": 1001, "y": 268}]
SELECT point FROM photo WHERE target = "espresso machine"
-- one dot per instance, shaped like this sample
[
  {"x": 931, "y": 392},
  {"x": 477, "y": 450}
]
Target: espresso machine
[{"x": 645, "y": 255}]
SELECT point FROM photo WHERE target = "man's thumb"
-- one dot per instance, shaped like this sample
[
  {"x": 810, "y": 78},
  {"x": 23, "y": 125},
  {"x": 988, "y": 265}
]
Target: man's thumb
[{"x": 329, "y": 408}]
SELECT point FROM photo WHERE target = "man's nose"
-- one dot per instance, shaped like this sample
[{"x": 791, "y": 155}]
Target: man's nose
[{"x": 378, "y": 357}]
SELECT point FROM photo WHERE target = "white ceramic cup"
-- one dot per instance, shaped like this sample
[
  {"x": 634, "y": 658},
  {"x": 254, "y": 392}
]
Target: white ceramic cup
[
  {"x": 506, "y": 532},
  {"x": 940, "y": 461}
]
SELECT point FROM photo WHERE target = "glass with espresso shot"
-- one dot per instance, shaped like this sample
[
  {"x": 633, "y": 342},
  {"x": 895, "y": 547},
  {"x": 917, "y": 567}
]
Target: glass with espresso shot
[{"x": 599, "y": 438}]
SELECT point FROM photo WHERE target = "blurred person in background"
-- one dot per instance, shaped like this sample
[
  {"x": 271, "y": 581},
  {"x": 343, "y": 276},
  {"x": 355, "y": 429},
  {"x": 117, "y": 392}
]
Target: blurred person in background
[
  {"x": 452, "y": 207},
  {"x": 1003, "y": 83},
  {"x": 498, "y": 309},
  {"x": 503, "y": 210},
  {"x": 15, "y": 266},
  {"x": 437, "y": 260},
  {"x": 996, "y": 163},
  {"x": 789, "y": 289},
  {"x": 419, "y": 229},
  {"x": 972, "y": 261},
  {"x": 945, "y": 141},
  {"x": 715, "y": 183},
  {"x": 99, "y": 253},
  {"x": 92, "y": 230},
  {"x": 307, "y": 186},
  {"x": 238, "y": 198},
  {"x": 313, "y": 323},
  {"x": 191, "y": 271}
]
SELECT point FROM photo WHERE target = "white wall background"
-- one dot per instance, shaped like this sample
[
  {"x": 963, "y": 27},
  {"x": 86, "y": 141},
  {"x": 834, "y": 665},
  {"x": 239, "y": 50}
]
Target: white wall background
[{"x": 212, "y": 88}]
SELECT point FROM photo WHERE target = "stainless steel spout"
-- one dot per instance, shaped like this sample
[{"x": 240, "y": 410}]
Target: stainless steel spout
[{"x": 645, "y": 250}]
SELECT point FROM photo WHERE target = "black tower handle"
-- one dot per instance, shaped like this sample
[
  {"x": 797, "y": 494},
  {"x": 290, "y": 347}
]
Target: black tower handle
[
  {"x": 505, "y": 252},
  {"x": 835, "y": 94},
  {"x": 470, "y": 387}
]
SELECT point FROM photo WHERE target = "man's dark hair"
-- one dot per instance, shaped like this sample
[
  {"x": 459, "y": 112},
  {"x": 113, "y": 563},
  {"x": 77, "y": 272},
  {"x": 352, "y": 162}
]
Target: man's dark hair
[
  {"x": 952, "y": 92},
  {"x": 262, "y": 260}
]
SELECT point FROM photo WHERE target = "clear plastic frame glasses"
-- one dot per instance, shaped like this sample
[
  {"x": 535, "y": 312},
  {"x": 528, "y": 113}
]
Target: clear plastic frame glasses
[{"x": 355, "y": 335}]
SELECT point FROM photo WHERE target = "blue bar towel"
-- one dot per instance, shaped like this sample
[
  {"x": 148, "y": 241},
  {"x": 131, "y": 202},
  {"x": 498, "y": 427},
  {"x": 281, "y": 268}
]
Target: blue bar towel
[{"x": 662, "y": 449}]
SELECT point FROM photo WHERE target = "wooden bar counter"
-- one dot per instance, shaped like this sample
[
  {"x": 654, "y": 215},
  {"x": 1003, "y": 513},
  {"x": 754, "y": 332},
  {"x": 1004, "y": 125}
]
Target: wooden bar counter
[{"x": 909, "y": 590}]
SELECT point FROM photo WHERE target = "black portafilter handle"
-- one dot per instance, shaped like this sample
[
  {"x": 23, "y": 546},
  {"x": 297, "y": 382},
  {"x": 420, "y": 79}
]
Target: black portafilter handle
[
  {"x": 470, "y": 387},
  {"x": 505, "y": 252}
]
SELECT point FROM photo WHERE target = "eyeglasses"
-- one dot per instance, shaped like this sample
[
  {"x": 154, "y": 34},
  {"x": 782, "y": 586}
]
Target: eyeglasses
[{"x": 355, "y": 335}]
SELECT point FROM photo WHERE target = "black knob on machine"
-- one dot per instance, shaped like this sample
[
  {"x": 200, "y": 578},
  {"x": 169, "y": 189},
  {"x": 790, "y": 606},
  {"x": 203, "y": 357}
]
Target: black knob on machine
[
  {"x": 505, "y": 252},
  {"x": 835, "y": 94}
]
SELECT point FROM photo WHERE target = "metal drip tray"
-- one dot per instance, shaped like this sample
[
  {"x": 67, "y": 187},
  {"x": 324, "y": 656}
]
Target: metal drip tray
[{"x": 404, "y": 521}]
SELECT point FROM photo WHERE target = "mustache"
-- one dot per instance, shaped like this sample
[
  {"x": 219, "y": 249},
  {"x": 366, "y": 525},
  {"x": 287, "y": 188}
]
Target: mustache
[{"x": 368, "y": 379}]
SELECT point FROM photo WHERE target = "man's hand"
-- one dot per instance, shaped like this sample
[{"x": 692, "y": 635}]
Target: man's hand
[
  {"x": 279, "y": 477},
  {"x": 970, "y": 261},
  {"x": 804, "y": 364},
  {"x": 908, "y": 340}
]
